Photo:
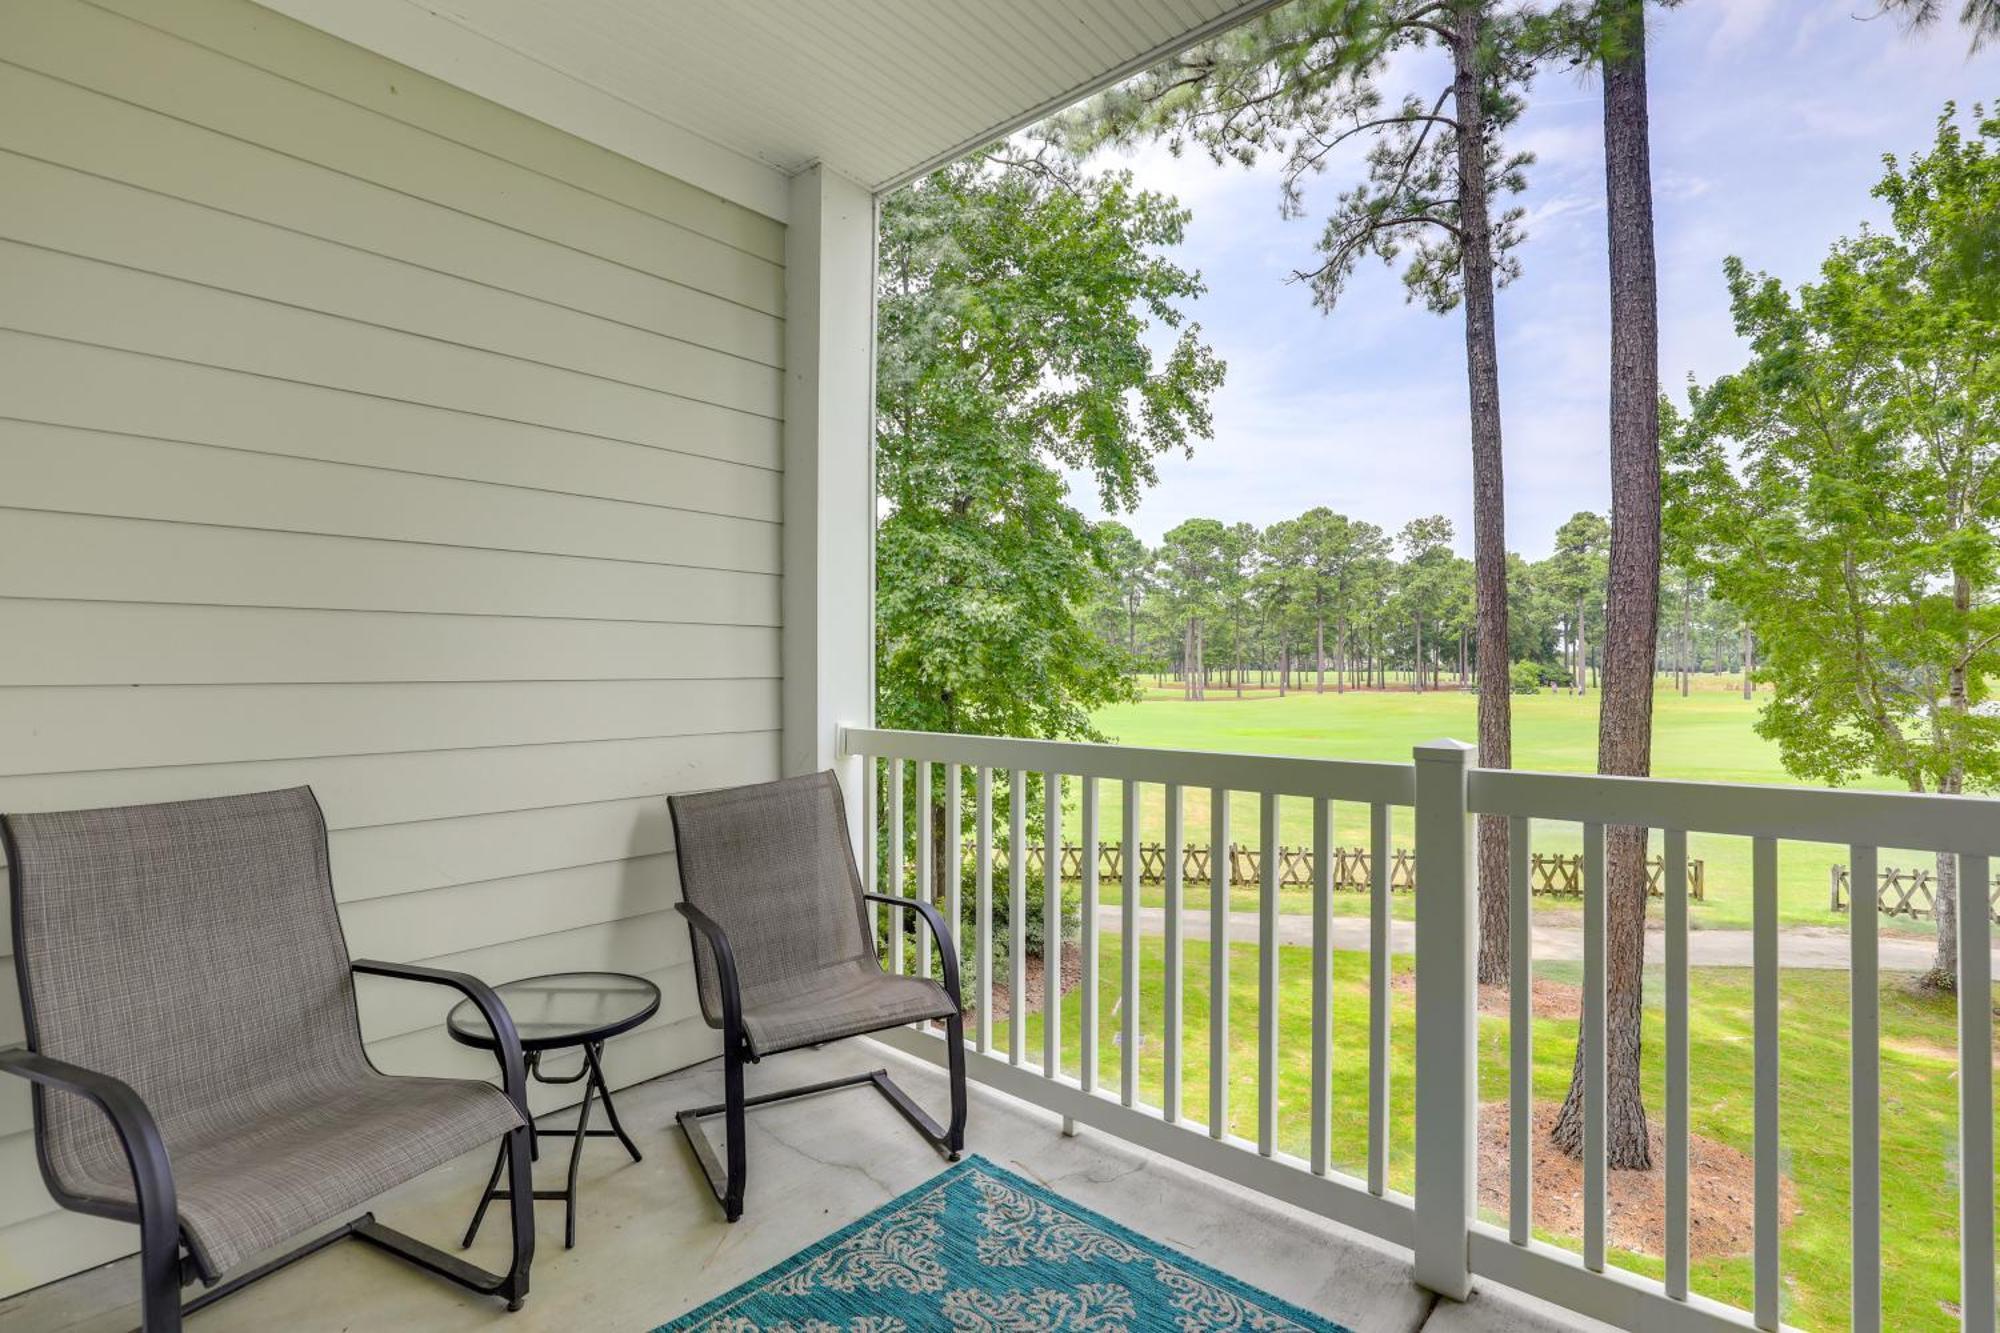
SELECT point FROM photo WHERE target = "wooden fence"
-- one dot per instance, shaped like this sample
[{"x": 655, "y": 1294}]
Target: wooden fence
[
  {"x": 1550, "y": 875},
  {"x": 1901, "y": 892}
]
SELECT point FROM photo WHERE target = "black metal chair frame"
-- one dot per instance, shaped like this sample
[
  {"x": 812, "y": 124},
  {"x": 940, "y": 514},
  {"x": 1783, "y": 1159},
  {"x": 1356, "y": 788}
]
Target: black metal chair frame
[
  {"x": 728, "y": 1181},
  {"x": 165, "y": 1264}
]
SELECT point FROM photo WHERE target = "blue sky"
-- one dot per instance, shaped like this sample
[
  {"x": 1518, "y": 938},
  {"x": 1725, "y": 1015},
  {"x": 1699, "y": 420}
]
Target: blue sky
[{"x": 1769, "y": 119}]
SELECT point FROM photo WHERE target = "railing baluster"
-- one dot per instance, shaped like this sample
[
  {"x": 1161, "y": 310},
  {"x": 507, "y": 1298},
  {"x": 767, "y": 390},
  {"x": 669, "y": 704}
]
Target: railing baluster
[
  {"x": 1218, "y": 962},
  {"x": 1593, "y": 1047},
  {"x": 1865, "y": 1097},
  {"x": 1267, "y": 974},
  {"x": 954, "y": 858},
  {"x": 1087, "y": 983},
  {"x": 1128, "y": 951},
  {"x": 926, "y": 872},
  {"x": 1170, "y": 999},
  {"x": 1052, "y": 940},
  {"x": 1674, "y": 881},
  {"x": 1378, "y": 998},
  {"x": 1017, "y": 915},
  {"x": 1764, "y": 986},
  {"x": 896, "y": 863},
  {"x": 1975, "y": 1092},
  {"x": 982, "y": 905},
  {"x": 871, "y": 874},
  {"x": 1520, "y": 1036},
  {"x": 1322, "y": 987}
]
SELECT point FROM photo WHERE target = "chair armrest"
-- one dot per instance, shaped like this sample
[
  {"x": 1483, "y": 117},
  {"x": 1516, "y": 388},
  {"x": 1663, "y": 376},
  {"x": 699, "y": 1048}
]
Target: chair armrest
[
  {"x": 725, "y": 968},
  {"x": 506, "y": 1039},
  {"x": 145, "y": 1150},
  {"x": 947, "y": 946}
]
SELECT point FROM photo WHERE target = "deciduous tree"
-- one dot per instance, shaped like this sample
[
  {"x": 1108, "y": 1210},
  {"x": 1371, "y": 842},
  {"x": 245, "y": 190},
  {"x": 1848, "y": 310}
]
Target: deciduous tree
[
  {"x": 1843, "y": 490},
  {"x": 1029, "y": 322}
]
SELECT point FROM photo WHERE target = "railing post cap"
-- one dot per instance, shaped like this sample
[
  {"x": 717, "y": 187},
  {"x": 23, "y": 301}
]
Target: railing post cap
[{"x": 1446, "y": 751}]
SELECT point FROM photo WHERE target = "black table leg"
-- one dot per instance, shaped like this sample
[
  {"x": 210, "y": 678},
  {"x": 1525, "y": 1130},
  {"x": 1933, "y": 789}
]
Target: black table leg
[
  {"x": 592, "y": 1053},
  {"x": 580, "y": 1133},
  {"x": 594, "y": 1085}
]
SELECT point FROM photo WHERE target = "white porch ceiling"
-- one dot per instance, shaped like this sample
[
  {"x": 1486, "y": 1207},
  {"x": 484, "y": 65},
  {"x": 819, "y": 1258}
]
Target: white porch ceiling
[{"x": 876, "y": 90}]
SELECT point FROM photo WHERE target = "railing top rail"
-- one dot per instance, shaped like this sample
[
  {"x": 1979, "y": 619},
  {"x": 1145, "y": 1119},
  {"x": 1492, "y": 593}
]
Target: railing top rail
[
  {"x": 1966, "y": 824},
  {"x": 1284, "y": 775}
]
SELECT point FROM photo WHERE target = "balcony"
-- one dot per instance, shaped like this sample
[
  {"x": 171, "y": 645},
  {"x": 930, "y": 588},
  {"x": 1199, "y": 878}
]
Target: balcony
[
  {"x": 1361, "y": 1219},
  {"x": 651, "y": 1244},
  {"x": 466, "y": 410}
]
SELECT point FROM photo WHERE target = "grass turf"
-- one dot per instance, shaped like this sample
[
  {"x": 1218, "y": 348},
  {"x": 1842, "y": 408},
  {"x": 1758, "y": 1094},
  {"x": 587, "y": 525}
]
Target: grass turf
[
  {"x": 1706, "y": 736},
  {"x": 1919, "y": 1114}
]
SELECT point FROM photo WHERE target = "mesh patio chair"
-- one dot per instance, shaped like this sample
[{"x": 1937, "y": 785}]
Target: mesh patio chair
[
  {"x": 785, "y": 956},
  {"x": 196, "y": 1051}
]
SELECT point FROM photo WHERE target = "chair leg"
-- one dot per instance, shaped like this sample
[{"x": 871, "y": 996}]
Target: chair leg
[
  {"x": 160, "y": 1278},
  {"x": 727, "y": 1182},
  {"x": 737, "y": 1150},
  {"x": 521, "y": 1211},
  {"x": 954, "y": 1035},
  {"x": 486, "y": 1199}
]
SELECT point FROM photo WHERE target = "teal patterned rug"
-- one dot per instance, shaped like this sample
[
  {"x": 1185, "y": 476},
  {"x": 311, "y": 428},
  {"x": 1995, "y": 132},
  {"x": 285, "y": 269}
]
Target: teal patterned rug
[{"x": 979, "y": 1248}]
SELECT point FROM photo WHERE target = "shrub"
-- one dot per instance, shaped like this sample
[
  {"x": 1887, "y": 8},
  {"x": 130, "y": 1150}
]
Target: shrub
[{"x": 968, "y": 929}]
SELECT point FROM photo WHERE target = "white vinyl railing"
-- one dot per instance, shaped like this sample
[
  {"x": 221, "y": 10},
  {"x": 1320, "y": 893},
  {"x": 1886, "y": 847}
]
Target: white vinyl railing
[{"x": 1439, "y": 1221}]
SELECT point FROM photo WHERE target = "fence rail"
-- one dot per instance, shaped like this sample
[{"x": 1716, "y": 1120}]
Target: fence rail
[
  {"x": 1550, "y": 874},
  {"x": 1438, "y": 1221},
  {"x": 1900, "y": 892}
]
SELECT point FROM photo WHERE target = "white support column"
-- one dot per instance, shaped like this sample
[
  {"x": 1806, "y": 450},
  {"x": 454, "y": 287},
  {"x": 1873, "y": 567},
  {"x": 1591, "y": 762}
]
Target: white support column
[
  {"x": 829, "y": 483},
  {"x": 1447, "y": 1028}
]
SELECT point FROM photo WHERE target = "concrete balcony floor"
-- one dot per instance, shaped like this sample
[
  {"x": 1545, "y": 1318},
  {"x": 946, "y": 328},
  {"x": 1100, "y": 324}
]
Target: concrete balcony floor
[{"x": 651, "y": 1243}]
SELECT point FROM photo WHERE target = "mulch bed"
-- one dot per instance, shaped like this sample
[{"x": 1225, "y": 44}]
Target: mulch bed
[
  {"x": 1072, "y": 973},
  {"x": 1549, "y": 999},
  {"x": 1721, "y": 1188}
]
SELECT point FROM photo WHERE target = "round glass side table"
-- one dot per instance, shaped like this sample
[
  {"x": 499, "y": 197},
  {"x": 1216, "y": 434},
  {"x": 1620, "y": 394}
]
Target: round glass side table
[{"x": 554, "y": 1013}]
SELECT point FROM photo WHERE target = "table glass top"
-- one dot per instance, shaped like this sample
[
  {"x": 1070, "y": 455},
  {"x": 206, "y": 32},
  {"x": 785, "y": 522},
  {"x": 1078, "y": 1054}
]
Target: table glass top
[{"x": 567, "y": 1006}]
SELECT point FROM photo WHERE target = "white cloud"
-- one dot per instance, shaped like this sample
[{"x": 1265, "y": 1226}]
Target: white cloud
[{"x": 1768, "y": 121}]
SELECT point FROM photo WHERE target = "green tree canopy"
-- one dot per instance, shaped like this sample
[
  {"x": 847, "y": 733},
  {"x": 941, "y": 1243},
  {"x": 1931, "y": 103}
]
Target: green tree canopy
[
  {"x": 1029, "y": 323},
  {"x": 1841, "y": 489}
]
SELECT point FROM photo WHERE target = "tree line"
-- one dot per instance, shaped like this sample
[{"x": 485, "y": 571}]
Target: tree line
[{"x": 1324, "y": 602}]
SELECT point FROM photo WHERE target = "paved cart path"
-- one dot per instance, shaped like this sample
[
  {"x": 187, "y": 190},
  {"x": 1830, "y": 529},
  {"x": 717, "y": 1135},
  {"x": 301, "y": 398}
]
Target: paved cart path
[{"x": 1822, "y": 947}]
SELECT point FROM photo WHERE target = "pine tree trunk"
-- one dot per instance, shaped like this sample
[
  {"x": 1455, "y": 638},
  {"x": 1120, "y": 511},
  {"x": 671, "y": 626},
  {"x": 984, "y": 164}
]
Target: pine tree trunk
[
  {"x": 1687, "y": 645},
  {"x": 1489, "y": 534},
  {"x": 1943, "y": 975},
  {"x": 1582, "y": 651},
  {"x": 1749, "y": 658},
  {"x": 944, "y": 860},
  {"x": 1340, "y": 661},
  {"x": 1625, "y": 705},
  {"x": 1417, "y": 655},
  {"x": 1319, "y": 653},
  {"x": 1944, "y": 964}
]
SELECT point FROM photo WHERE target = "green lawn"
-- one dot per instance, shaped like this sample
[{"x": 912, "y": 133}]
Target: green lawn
[
  {"x": 1919, "y": 1109},
  {"x": 1705, "y": 736}
]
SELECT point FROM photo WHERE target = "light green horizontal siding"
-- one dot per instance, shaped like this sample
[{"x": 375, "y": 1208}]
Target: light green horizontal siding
[{"x": 360, "y": 433}]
